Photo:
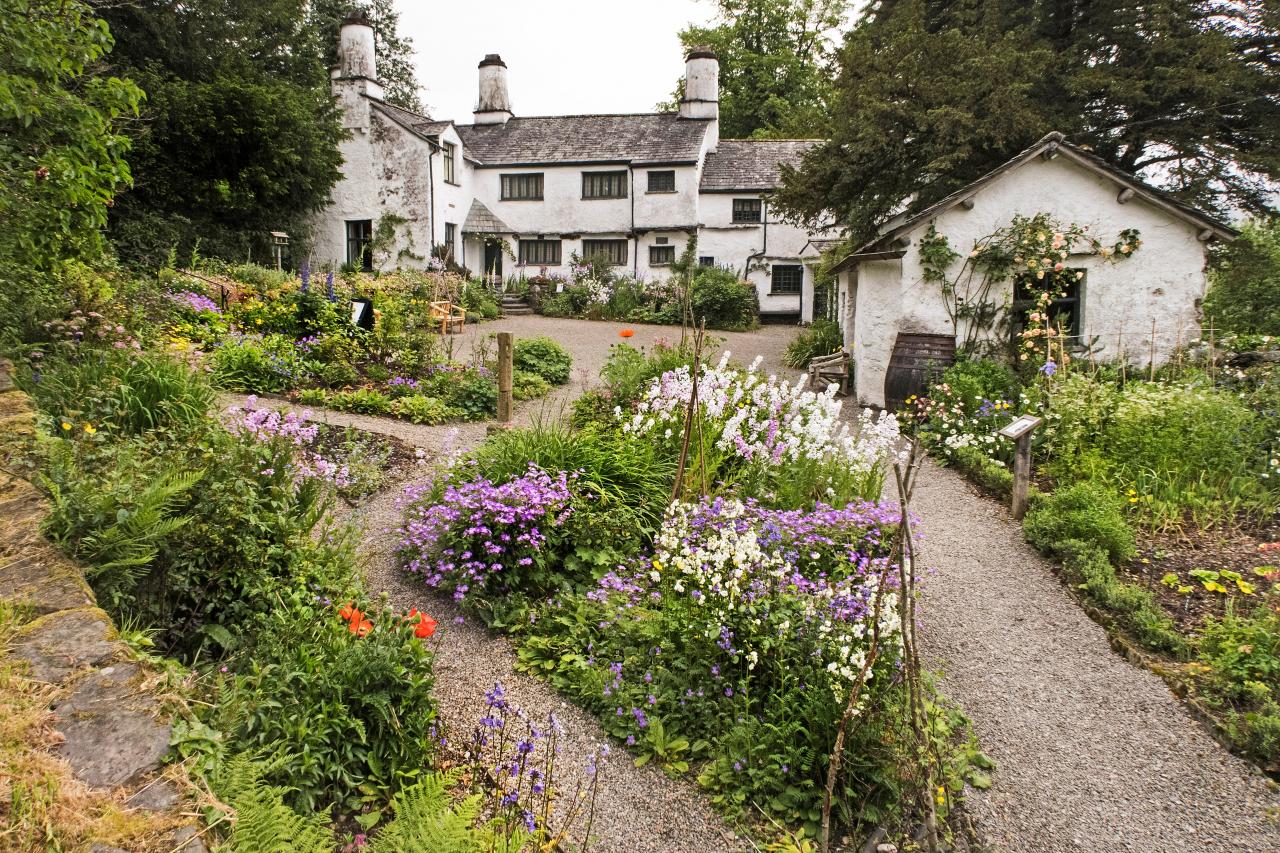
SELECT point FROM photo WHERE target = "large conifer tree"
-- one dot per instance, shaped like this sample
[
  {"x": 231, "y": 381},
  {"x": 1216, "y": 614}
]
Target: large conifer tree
[{"x": 933, "y": 94}]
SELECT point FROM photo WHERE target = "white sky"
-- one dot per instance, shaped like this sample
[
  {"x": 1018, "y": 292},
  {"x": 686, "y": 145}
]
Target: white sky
[{"x": 564, "y": 57}]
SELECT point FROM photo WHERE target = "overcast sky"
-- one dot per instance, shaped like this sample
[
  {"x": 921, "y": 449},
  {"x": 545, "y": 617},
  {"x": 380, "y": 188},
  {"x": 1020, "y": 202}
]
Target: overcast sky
[{"x": 563, "y": 56}]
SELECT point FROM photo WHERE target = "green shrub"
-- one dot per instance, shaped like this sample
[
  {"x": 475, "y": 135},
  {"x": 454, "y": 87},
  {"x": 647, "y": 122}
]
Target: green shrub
[
  {"x": 1086, "y": 564},
  {"x": 983, "y": 470},
  {"x": 475, "y": 396},
  {"x": 479, "y": 302},
  {"x": 341, "y": 718},
  {"x": 365, "y": 401},
  {"x": 258, "y": 364},
  {"x": 973, "y": 381},
  {"x": 422, "y": 410},
  {"x": 1086, "y": 512},
  {"x": 1244, "y": 292},
  {"x": 545, "y": 357},
  {"x": 822, "y": 338},
  {"x": 313, "y": 397},
  {"x": 526, "y": 385},
  {"x": 726, "y": 302}
]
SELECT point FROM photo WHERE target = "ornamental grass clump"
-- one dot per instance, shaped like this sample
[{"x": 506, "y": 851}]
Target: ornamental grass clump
[{"x": 480, "y": 537}]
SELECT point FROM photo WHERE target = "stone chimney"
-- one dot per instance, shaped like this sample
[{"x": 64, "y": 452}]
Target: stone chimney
[
  {"x": 355, "y": 77},
  {"x": 493, "y": 105},
  {"x": 702, "y": 90}
]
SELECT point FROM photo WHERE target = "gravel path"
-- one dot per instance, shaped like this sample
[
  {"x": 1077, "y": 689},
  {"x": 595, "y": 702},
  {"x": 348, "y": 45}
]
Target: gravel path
[
  {"x": 638, "y": 810},
  {"x": 1092, "y": 752}
]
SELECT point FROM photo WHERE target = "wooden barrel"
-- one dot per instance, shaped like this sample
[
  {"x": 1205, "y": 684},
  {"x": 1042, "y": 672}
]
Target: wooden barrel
[{"x": 917, "y": 361}]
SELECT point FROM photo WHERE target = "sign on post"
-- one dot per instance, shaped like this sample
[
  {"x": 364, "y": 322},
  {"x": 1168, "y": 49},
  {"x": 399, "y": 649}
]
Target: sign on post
[{"x": 1020, "y": 430}]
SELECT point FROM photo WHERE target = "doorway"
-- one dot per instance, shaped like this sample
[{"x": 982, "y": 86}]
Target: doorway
[{"x": 493, "y": 262}]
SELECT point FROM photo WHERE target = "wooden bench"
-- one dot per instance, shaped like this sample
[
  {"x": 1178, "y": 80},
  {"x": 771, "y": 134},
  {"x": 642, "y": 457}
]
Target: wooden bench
[
  {"x": 826, "y": 369},
  {"x": 452, "y": 318}
]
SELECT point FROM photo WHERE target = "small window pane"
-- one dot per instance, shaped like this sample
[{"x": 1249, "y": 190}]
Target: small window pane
[
  {"x": 449, "y": 150},
  {"x": 451, "y": 240},
  {"x": 613, "y": 251},
  {"x": 661, "y": 256},
  {"x": 786, "y": 279},
  {"x": 746, "y": 210},
  {"x": 663, "y": 181},
  {"x": 360, "y": 243},
  {"x": 604, "y": 184},
  {"x": 706, "y": 261},
  {"x": 544, "y": 253},
  {"x": 522, "y": 187},
  {"x": 1064, "y": 311}
]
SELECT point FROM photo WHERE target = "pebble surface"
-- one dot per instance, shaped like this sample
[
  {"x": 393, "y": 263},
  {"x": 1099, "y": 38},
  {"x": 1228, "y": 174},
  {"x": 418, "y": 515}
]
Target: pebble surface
[{"x": 1092, "y": 752}]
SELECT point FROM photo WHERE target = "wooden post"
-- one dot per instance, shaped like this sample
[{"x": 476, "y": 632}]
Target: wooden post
[
  {"x": 1020, "y": 431},
  {"x": 505, "y": 370}
]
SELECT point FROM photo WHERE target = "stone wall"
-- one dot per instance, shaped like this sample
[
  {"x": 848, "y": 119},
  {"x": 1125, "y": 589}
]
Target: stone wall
[{"x": 112, "y": 731}]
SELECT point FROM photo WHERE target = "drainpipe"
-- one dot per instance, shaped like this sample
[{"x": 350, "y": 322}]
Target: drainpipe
[
  {"x": 635, "y": 240},
  {"x": 431, "y": 195}
]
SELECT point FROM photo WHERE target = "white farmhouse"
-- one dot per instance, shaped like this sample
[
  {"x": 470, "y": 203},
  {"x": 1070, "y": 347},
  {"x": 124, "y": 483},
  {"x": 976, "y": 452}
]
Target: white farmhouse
[
  {"x": 1143, "y": 306},
  {"x": 513, "y": 195}
]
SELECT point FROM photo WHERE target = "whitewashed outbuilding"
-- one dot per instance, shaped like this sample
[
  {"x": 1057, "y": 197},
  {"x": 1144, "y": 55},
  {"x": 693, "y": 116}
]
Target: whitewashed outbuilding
[
  {"x": 1114, "y": 310},
  {"x": 513, "y": 195}
]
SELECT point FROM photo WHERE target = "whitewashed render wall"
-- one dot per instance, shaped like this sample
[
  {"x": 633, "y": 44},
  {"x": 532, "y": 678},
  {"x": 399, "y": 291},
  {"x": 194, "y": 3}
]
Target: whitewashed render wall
[{"x": 1162, "y": 283}]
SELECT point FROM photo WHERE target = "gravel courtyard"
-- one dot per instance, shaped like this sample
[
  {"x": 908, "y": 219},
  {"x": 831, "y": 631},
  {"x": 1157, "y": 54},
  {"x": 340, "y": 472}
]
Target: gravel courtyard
[{"x": 1093, "y": 753}]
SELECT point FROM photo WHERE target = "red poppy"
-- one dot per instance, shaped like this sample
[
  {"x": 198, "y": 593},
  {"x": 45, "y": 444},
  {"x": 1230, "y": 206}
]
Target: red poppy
[
  {"x": 426, "y": 626},
  {"x": 626, "y": 333},
  {"x": 354, "y": 617}
]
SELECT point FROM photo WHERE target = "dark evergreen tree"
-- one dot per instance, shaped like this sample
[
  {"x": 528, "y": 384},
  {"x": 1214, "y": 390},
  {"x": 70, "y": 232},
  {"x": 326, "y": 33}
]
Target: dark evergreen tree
[
  {"x": 932, "y": 95},
  {"x": 239, "y": 133}
]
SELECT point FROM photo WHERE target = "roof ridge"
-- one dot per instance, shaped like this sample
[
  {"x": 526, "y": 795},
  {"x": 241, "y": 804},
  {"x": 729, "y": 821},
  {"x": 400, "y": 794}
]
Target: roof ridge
[{"x": 580, "y": 115}]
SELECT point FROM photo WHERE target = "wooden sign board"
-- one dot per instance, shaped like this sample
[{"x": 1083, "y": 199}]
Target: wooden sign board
[{"x": 1020, "y": 426}]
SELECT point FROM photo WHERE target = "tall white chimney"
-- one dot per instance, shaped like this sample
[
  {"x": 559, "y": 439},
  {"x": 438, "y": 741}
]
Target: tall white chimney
[
  {"x": 493, "y": 105},
  {"x": 702, "y": 90},
  {"x": 356, "y": 73}
]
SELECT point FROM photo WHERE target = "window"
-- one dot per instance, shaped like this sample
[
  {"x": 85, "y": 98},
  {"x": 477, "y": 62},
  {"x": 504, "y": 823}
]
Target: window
[
  {"x": 613, "y": 251},
  {"x": 746, "y": 209},
  {"x": 662, "y": 181},
  {"x": 522, "y": 187},
  {"x": 706, "y": 261},
  {"x": 786, "y": 279},
  {"x": 449, "y": 163},
  {"x": 360, "y": 243},
  {"x": 661, "y": 256},
  {"x": 604, "y": 184},
  {"x": 451, "y": 240},
  {"x": 540, "y": 253},
  {"x": 1064, "y": 312}
]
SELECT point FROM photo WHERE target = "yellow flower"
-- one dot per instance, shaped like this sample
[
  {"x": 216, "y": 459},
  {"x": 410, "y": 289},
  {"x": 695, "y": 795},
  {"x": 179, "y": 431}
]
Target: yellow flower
[
  {"x": 89, "y": 430},
  {"x": 66, "y": 425}
]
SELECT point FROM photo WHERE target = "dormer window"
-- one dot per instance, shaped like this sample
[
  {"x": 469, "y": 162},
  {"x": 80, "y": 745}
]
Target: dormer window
[
  {"x": 747, "y": 209},
  {"x": 450, "y": 164}
]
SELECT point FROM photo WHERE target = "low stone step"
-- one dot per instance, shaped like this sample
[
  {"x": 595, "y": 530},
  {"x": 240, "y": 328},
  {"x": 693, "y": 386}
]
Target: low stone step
[{"x": 513, "y": 311}]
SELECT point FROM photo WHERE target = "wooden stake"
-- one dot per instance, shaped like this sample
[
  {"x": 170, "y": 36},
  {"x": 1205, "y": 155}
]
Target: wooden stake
[
  {"x": 506, "y": 351},
  {"x": 1020, "y": 431}
]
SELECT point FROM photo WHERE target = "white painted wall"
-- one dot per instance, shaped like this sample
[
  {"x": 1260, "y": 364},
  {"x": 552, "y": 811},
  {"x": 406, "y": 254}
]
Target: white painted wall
[
  {"x": 1163, "y": 282},
  {"x": 385, "y": 170}
]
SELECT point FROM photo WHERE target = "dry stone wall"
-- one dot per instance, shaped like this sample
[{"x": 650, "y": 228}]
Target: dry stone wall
[{"x": 113, "y": 732}]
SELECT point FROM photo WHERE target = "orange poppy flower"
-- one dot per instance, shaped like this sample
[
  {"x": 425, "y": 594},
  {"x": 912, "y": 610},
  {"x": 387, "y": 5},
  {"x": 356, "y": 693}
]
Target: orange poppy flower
[
  {"x": 426, "y": 626},
  {"x": 354, "y": 617},
  {"x": 626, "y": 333}
]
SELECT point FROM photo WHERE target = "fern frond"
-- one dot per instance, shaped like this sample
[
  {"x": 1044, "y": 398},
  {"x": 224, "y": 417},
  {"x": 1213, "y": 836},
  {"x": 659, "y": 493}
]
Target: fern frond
[
  {"x": 262, "y": 821},
  {"x": 424, "y": 820}
]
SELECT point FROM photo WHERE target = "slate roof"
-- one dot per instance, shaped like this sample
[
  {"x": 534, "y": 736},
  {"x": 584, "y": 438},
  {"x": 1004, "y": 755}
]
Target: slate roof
[
  {"x": 1056, "y": 143},
  {"x": 419, "y": 124},
  {"x": 545, "y": 140},
  {"x": 481, "y": 220},
  {"x": 755, "y": 165}
]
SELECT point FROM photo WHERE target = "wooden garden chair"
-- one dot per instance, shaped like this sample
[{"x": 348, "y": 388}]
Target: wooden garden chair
[
  {"x": 826, "y": 369},
  {"x": 452, "y": 318}
]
